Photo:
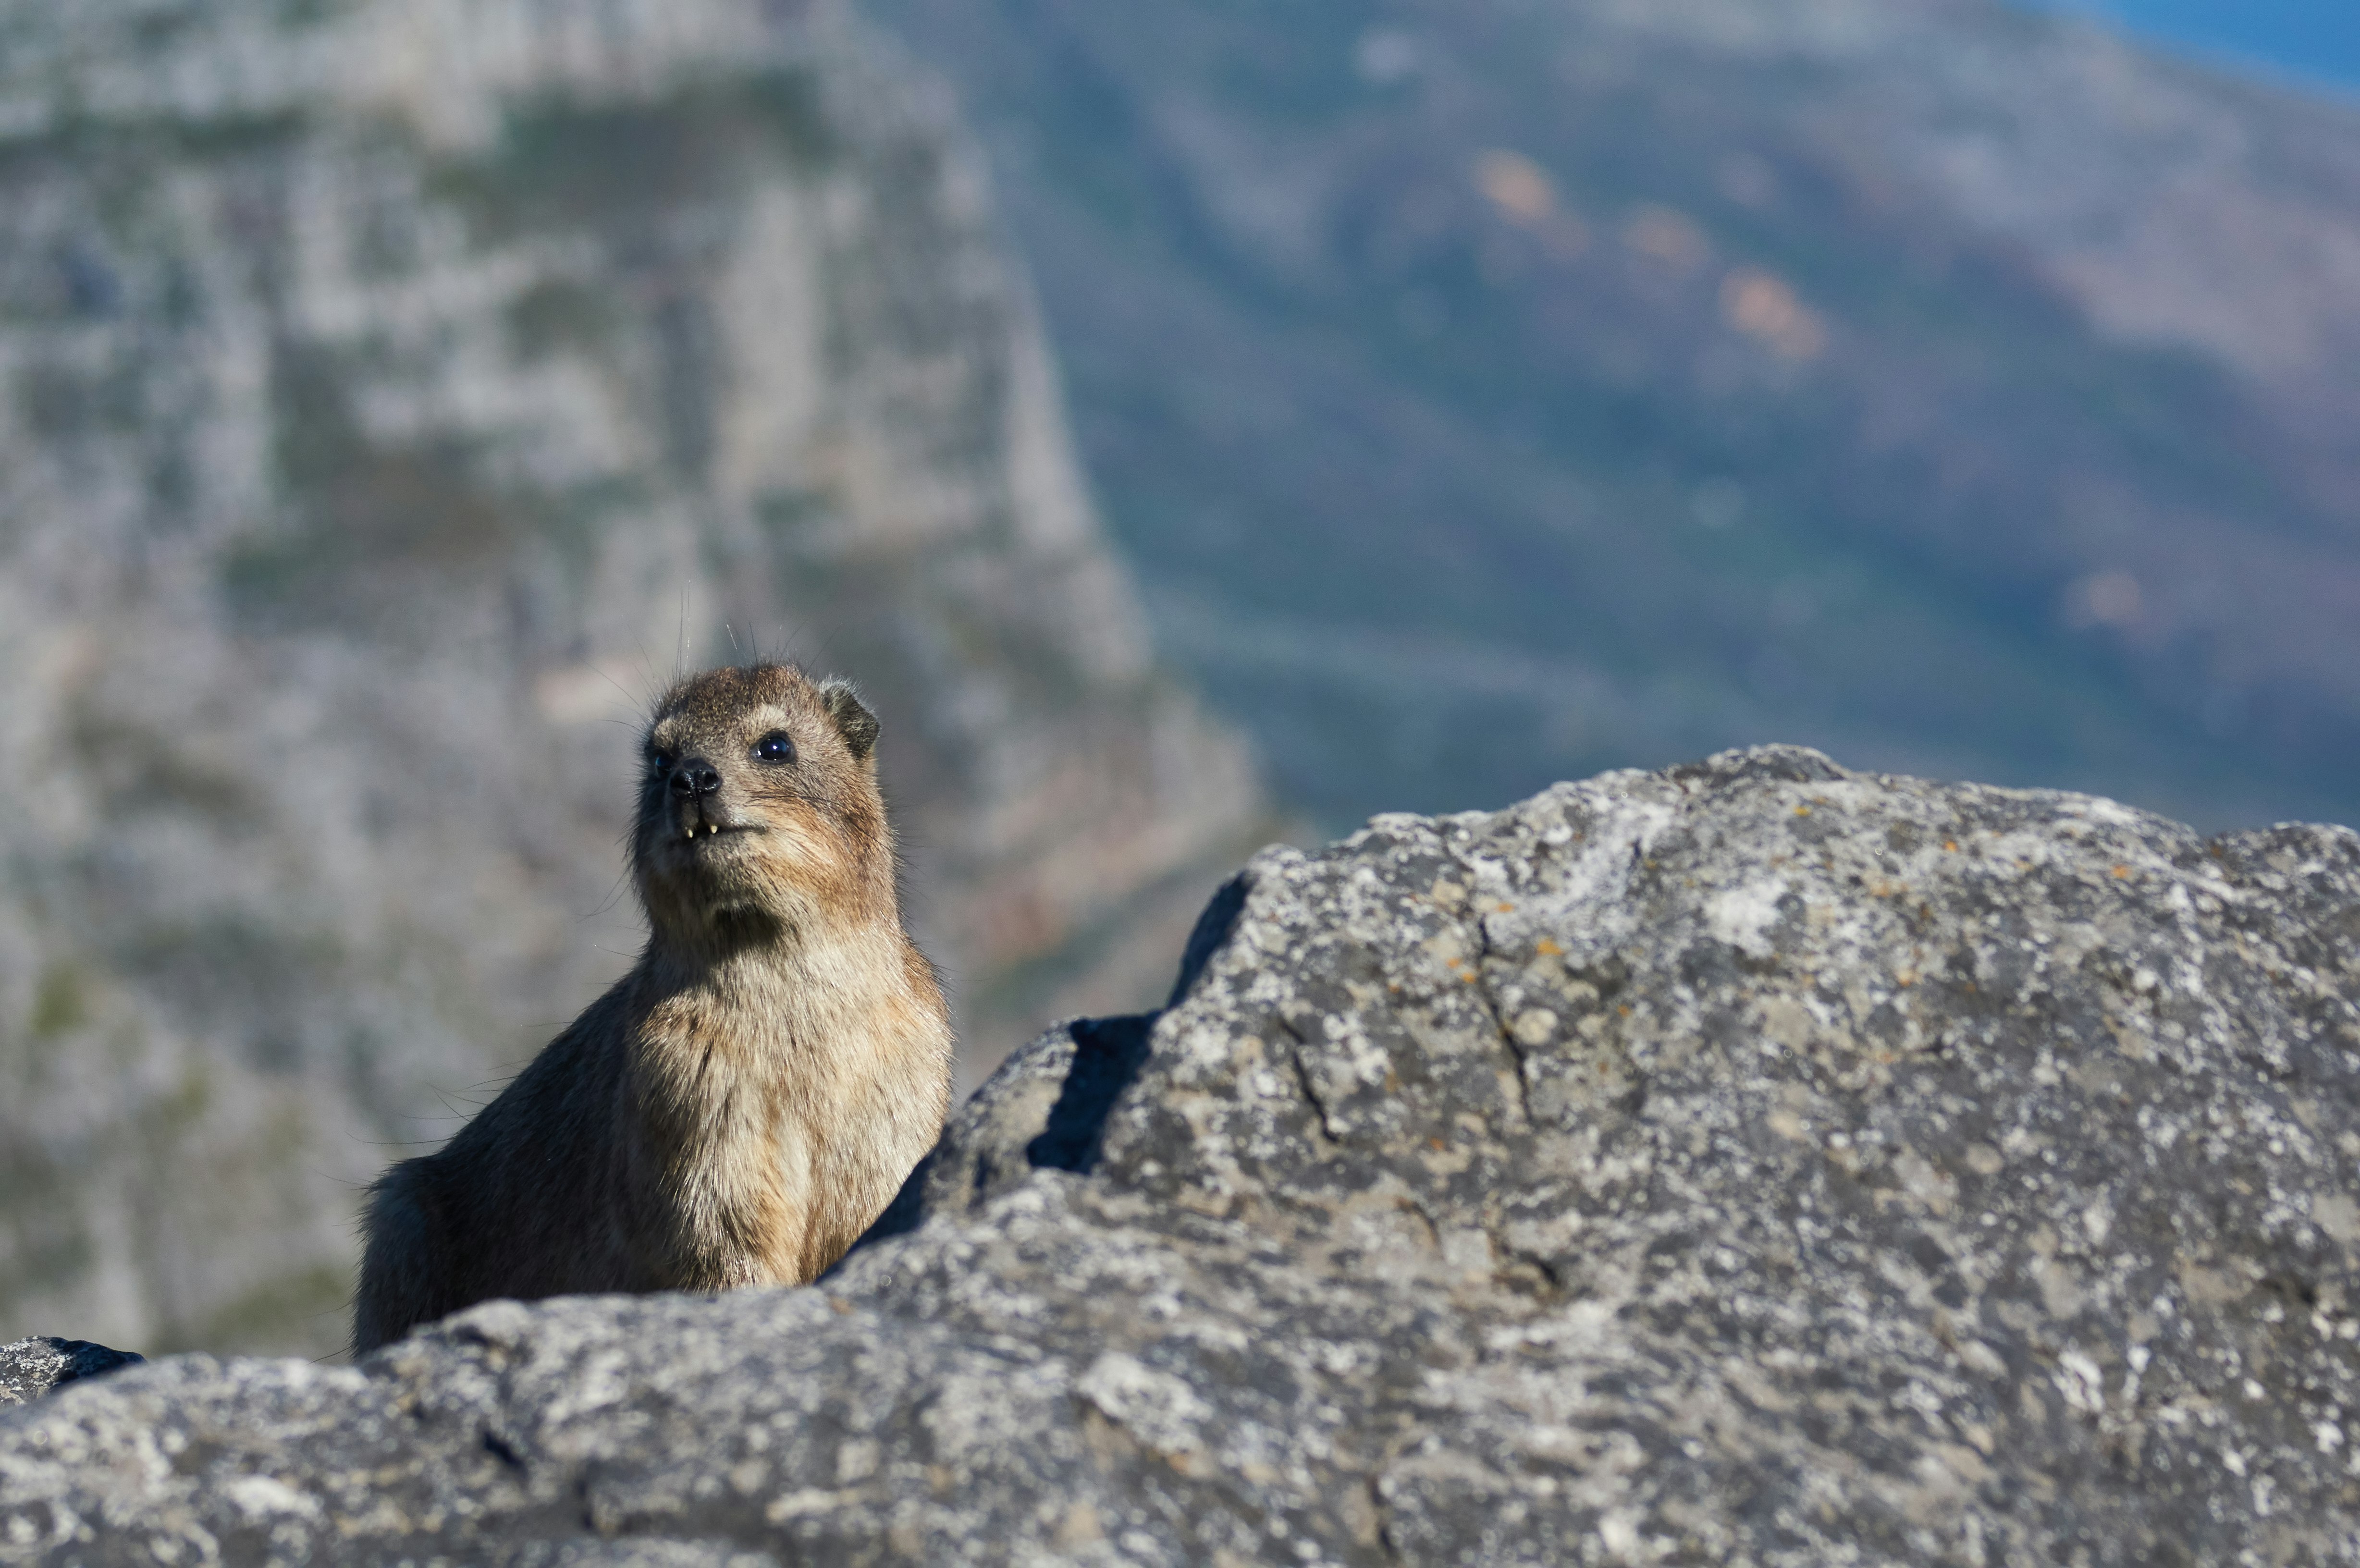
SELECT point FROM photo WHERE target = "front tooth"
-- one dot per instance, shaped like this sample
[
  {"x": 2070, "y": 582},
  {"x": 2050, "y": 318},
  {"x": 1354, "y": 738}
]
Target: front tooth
[
  {"x": 712, "y": 827},
  {"x": 688, "y": 833}
]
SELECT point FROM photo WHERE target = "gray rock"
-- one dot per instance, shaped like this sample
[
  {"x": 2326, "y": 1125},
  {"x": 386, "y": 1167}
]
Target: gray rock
[
  {"x": 1752, "y": 1162},
  {"x": 32, "y": 1368}
]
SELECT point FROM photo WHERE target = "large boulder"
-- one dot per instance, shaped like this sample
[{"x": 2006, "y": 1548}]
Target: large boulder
[{"x": 1750, "y": 1162}]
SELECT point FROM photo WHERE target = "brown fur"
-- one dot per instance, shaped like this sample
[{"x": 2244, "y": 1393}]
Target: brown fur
[{"x": 743, "y": 1102}]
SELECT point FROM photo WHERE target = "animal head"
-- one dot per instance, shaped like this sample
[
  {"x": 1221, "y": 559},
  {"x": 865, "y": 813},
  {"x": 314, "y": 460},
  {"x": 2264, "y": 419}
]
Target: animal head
[{"x": 759, "y": 810}]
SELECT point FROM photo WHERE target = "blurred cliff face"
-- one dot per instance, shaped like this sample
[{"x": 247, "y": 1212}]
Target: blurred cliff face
[{"x": 392, "y": 398}]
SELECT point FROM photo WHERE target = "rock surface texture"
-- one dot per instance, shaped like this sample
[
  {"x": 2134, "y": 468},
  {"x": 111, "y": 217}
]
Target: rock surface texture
[
  {"x": 1752, "y": 1162},
  {"x": 32, "y": 1368}
]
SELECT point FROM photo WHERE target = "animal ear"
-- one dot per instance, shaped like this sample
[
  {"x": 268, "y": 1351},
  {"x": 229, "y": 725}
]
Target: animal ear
[{"x": 854, "y": 722}]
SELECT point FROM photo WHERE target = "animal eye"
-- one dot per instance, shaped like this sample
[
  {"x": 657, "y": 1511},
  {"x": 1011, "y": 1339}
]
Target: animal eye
[
  {"x": 776, "y": 746},
  {"x": 660, "y": 757}
]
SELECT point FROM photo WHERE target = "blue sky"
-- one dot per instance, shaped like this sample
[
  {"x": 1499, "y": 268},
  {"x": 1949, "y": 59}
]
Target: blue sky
[{"x": 2314, "y": 39}]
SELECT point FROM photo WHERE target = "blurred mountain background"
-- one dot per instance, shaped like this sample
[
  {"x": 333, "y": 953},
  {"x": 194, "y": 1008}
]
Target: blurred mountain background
[
  {"x": 2314, "y": 43},
  {"x": 1489, "y": 391},
  {"x": 394, "y": 394}
]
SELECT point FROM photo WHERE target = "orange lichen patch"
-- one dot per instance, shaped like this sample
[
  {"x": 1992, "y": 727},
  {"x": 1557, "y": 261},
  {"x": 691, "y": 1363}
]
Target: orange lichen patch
[
  {"x": 1664, "y": 236},
  {"x": 1507, "y": 909},
  {"x": 2121, "y": 871},
  {"x": 1623, "y": 1009},
  {"x": 1520, "y": 188},
  {"x": 1766, "y": 308},
  {"x": 1802, "y": 811},
  {"x": 1951, "y": 847},
  {"x": 1523, "y": 193},
  {"x": 1548, "y": 949}
]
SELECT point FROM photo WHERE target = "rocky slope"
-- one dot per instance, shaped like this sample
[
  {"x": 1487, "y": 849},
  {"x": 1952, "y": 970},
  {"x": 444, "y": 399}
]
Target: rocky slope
[
  {"x": 1752, "y": 1162},
  {"x": 392, "y": 398},
  {"x": 1493, "y": 392}
]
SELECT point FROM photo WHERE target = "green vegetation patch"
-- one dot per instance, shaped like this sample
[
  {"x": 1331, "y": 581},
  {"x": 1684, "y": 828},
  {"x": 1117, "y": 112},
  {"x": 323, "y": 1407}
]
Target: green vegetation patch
[
  {"x": 558, "y": 316},
  {"x": 242, "y": 977},
  {"x": 137, "y": 768},
  {"x": 65, "y": 402},
  {"x": 563, "y": 164},
  {"x": 44, "y": 1242},
  {"x": 137, "y": 147},
  {"x": 305, "y": 1307},
  {"x": 365, "y": 515},
  {"x": 61, "y": 1002}
]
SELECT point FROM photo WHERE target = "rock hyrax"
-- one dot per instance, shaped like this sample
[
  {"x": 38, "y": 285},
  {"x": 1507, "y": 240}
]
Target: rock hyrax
[{"x": 743, "y": 1102}]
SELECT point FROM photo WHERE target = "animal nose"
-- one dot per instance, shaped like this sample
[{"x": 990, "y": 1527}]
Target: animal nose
[{"x": 693, "y": 777}]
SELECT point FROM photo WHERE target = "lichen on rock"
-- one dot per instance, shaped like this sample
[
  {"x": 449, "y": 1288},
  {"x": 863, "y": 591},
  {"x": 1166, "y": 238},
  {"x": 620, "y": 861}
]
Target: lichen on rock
[{"x": 1753, "y": 1161}]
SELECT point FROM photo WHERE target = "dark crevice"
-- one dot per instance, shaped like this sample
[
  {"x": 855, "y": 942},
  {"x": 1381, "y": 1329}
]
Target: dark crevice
[
  {"x": 1323, "y": 1129},
  {"x": 905, "y": 1213},
  {"x": 1552, "y": 1276},
  {"x": 1426, "y": 1217},
  {"x": 1516, "y": 1053},
  {"x": 1108, "y": 1055},
  {"x": 1385, "y": 1541},
  {"x": 1212, "y": 928}
]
